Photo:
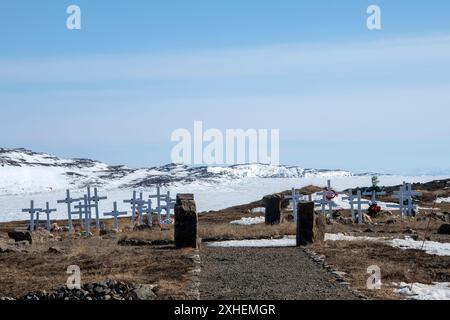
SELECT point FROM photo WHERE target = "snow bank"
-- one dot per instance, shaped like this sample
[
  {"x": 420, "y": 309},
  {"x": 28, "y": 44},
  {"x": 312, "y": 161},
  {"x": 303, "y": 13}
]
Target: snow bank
[
  {"x": 269, "y": 243},
  {"x": 249, "y": 221},
  {"x": 430, "y": 247},
  {"x": 443, "y": 200},
  {"x": 418, "y": 291}
]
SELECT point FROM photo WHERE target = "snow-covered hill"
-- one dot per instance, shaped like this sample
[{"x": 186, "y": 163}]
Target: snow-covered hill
[{"x": 26, "y": 172}]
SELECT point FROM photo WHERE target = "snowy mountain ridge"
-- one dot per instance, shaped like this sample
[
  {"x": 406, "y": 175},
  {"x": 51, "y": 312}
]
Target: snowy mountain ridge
[{"x": 26, "y": 171}]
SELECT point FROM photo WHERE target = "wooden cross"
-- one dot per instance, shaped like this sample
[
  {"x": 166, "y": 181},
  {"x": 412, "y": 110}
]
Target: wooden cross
[
  {"x": 69, "y": 202},
  {"x": 295, "y": 198},
  {"x": 359, "y": 202},
  {"x": 324, "y": 202},
  {"x": 133, "y": 202},
  {"x": 351, "y": 199},
  {"x": 158, "y": 203},
  {"x": 140, "y": 206},
  {"x": 150, "y": 212},
  {"x": 115, "y": 213},
  {"x": 32, "y": 210},
  {"x": 170, "y": 204},
  {"x": 80, "y": 213},
  {"x": 96, "y": 198},
  {"x": 405, "y": 194},
  {"x": 48, "y": 211}
]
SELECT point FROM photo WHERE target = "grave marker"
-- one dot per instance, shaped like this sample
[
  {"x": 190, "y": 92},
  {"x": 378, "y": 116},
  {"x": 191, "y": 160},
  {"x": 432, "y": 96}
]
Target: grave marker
[
  {"x": 96, "y": 199},
  {"x": 69, "y": 202},
  {"x": 328, "y": 194},
  {"x": 48, "y": 211},
  {"x": 158, "y": 203},
  {"x": 295, "y": 198},
  {"x": 115, "y": 213},
  {"x": 133, "y": 202},
  {"x": 32, "y": 210}
]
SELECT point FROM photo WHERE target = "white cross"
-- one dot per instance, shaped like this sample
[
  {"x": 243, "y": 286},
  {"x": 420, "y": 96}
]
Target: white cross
[
  {"x": 405, "y": 194},
  {"x": 295, "y": 198},
  {"x": 69, "y": 202},
  {"x": 115, "y": 213},
  {"x": 48, "y": 211},
  {"x": 140, "y": 206},
  {"x": 351, "y": 198},
  {"x": 158, "y": 203},
  {"x": 359, "y": 202},
  {"x": 96, "y": 198},
  {"x": 133, "y": 202},
  {"x": 32, "y": 210},
  {"x": 170, "y": 204},
  {"x": 149, "y": 211},
  {"x": 324, "y": 202},
  {"x": 374, "y": 194},
  {"x": 80, "y": 213}
]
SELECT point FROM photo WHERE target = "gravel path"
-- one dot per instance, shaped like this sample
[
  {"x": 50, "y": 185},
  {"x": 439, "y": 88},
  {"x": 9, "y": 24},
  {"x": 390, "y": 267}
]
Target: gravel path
[{"x": 266, "y": 274}]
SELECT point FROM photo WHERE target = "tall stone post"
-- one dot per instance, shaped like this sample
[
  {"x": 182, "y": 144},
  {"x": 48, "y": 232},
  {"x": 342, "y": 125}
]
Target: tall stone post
[
  {"x": 310, "y": 227},
  {"x": 272, "y": 204},
  {"x": 186, "y": 221}
]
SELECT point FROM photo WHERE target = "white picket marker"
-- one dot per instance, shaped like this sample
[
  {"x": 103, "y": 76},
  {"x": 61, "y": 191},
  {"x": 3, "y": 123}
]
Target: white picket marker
[
  {"x": 69, "y": 202},
  {"x": 96, "y": 199},
  {"x": 48, "y": 211},
  {"x": 351, "y": 198},
  {"x": 295, "y": 198},
  {"x": 360, "y": 202},
  {"x": 325, "y": 202},
  {"x": 158, "y": 203},
  {"x": 115, "y": 213},
  {"x": 133, "y": 202},
  {"x": 32, "y": 210}
]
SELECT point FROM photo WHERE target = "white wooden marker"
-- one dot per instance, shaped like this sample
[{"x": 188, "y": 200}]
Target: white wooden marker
[
  {"x": 295, "y": 198},
  {"x": 158, "y": 203},
  {"x": 115, "y": 213},
  {"x": 96, "y": 198},
  {"x": 351, "y": 198},
  {"x": 48, "y": 211},
  {"x": 360, "y": 202},
  {"x": 32, "y": 210},
  {"x": 69, "y": 202},
  {"x": 133, "y": 202}
]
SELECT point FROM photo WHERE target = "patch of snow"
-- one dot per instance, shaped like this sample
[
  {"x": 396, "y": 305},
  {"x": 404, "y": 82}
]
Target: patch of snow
[
  {"x": 249, "y": 221},
  {"x": 259, "y": 210},
  {"x": 263, "y": 243},
  {"x": 430, "y": 247},
  {"x": 443, "y": 200},
  {"x": 418, "y": 291}
]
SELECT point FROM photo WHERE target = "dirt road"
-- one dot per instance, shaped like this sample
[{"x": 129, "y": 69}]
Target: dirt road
[{"x": 266, "y": 274}]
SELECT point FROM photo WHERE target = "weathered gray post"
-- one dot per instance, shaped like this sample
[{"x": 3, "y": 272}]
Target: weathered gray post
[
  {"x": 69, "y": 202},
  {"x": 310, "y": 227},
  {"x": 96, "y": 200},
  {"x": 186, "y": 221},
  {"x": 32, "y": 210},
  {"x": 48, "y": 211},
  {"x": 272, "y": 204}
]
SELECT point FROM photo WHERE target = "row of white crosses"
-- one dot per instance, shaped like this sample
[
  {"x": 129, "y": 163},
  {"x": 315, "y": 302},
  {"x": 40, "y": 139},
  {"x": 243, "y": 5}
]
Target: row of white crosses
[
  {"x": 405, "y": 194},
  {"x": 356, "y": 200},
  {"x": 34, "y": 220},
  {"x": 296, "y": 198},
  {"x": 84, "y": 208},
  {"x": 140, "y": 206}
]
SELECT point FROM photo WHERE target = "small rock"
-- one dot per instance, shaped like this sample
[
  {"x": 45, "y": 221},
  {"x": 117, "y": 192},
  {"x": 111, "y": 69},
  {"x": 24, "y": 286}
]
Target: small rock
[
  {"x": 55, "y": 250},
  {"x": 21, "y": 235},
  {"x": 444, "y": 229}
]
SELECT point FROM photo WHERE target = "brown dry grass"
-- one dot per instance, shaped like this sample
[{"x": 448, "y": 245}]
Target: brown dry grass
[
  {"x": 226, "y": 231},
  {"x": 396, "y": 265},
  {"x": 99, "y": 259}
]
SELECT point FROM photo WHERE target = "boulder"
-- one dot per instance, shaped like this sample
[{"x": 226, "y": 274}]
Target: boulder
[
  {"x": 55, "y": 250},
  {"x": 310, "y": 226},
  {"x": 21, "y": 235},
  {"x": 272, "y": 204},
  {"x": 186, "y": 221},
  {"x": 444, "y": 229}
]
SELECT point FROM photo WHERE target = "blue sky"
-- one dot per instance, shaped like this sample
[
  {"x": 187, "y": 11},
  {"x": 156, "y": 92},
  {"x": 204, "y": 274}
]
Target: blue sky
[{"x": 341, "y": 95}]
